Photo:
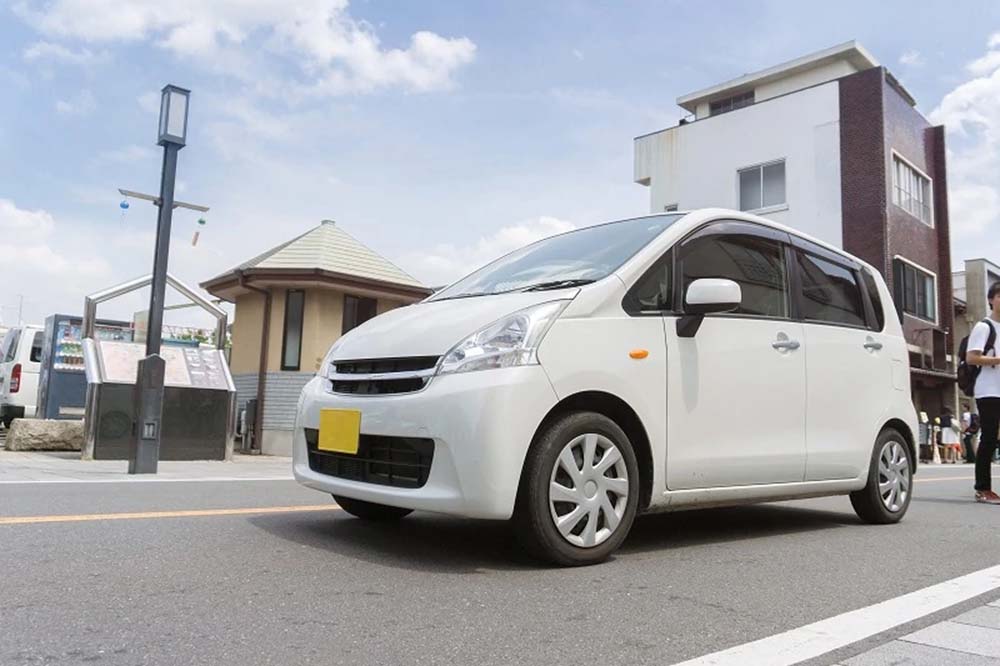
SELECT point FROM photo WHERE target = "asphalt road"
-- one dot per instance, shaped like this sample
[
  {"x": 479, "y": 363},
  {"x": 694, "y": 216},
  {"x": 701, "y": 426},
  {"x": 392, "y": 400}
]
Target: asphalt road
[{"x": 321, "y": 587}]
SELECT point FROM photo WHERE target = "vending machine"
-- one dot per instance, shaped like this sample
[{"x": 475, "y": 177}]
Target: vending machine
[{"x": 62, "y": 385}]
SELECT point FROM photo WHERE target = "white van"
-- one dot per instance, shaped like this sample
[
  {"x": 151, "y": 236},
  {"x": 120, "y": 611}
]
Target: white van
[
  {"x": 20, "y": 364},
  {"x": 654, "y": 364}
]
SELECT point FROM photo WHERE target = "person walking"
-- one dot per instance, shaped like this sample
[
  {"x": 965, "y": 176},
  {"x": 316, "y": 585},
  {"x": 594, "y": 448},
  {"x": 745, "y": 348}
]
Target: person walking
[
  {"x": 981, "y": 352},
  {"x": 950, "y": 442}
]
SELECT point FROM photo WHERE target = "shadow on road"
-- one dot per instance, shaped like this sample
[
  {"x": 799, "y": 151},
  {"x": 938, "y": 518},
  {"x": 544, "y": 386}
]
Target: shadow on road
[{"x": 426, "y": 542}]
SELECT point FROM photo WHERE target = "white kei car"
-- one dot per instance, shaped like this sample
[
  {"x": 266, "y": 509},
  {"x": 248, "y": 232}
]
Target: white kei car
[{"x": 660, "y": 363}]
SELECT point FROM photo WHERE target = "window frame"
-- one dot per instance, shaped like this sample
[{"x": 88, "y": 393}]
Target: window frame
[
  {"x": 899, "y": 297},
  {"x": 736, "y": 102},
  {"x": 284, "y": 331},
  {"x": 895, "y": 191},
  {"x": 731, "y": 227},
  {"x": 762, "y": 209}
]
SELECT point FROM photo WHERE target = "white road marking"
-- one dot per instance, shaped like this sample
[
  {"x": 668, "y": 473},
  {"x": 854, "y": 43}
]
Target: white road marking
[
  {"x": 819, "y": 638},
  {"x": 149, "y": 479}
]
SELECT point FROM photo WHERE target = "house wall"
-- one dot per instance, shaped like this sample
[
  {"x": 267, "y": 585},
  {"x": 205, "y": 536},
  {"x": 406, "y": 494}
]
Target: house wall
[
  {"x": 322, "y": 321},
  {"x": 695, "y": 165}
]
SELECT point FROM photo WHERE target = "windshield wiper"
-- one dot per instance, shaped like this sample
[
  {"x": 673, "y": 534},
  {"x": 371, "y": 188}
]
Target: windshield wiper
[{"x": 558, "y": 284}]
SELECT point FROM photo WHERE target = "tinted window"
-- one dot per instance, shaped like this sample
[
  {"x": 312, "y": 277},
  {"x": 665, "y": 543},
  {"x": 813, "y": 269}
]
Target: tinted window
[
  {"x": 756, "y": 264},
  {"x": 10, "y": 344},
  {"x": 871, "y": 285},
  {"x": 586, "y": 254},
  {"x": 357, "y": 310},
  {"x": 653, "y": 291},
  {"x": 830, "y": 292},
  {"x": 36, "y": 348}
]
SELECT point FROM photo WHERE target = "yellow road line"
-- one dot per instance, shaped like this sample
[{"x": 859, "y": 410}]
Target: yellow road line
[{"x": 195, "y": 513}]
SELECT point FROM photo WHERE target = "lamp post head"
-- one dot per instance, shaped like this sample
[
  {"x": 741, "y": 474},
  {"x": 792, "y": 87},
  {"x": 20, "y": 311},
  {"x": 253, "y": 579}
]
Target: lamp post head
[{"x": 173, "y": 115}]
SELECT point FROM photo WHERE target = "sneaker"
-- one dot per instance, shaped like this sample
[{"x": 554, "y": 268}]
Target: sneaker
[{"x": 987, "y": 497}]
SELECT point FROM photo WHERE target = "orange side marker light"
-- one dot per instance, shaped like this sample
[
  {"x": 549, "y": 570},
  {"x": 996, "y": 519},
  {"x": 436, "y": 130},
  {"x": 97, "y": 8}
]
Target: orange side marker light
[{"x": 639, "y": 353}]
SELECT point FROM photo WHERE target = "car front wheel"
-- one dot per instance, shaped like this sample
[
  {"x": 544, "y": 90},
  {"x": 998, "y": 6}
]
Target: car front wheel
[
  {"x": 890, "y": 481},
  {"x": 579, "y": 491}
]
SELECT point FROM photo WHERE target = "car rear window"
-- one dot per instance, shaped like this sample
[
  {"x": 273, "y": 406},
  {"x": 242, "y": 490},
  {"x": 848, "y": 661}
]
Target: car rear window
[{"x": 36, "y": 348}]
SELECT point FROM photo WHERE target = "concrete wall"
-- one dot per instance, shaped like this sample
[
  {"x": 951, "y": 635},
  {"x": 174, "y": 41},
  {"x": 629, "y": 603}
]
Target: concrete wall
[{"x": 695, "y": 165}]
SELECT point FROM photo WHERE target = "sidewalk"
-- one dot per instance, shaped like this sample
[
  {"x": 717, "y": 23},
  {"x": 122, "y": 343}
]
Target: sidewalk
[
  {"x": 66, "y": 467},
  {"x": 971, "y": 639}
]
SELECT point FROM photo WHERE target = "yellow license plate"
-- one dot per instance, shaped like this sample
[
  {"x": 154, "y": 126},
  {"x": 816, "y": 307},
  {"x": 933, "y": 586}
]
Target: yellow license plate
[{"x": 339, "y": 430}]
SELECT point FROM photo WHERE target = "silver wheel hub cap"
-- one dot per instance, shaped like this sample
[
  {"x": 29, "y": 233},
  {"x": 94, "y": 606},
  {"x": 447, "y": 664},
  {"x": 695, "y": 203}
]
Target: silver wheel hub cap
[
  {"x": 894, "y": 476},
  {"x": 588, "y": 490}
]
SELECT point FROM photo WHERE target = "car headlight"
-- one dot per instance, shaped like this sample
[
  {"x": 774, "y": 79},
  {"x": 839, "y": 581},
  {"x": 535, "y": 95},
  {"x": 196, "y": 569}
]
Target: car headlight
[{"x": 509, "y": 341}]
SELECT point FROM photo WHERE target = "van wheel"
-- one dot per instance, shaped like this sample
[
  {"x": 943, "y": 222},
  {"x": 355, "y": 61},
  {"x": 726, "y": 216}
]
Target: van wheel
[
  {"x": 371, "y": 511},
  {"x": 890, "y": 482},
  {"x": 579, "y": 491}
]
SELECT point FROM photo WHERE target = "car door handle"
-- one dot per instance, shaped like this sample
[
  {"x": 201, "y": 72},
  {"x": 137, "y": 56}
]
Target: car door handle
[
  {"x": 872, "y": 345},
  {"x": 782, "y": 345}
]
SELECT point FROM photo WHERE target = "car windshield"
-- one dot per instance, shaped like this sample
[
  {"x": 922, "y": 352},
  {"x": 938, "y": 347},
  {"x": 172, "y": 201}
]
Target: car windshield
[{"x": 570, "y": 259}]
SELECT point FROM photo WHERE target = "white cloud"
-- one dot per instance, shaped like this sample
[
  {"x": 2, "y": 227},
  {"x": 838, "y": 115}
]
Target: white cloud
[
  {"x": 972, "y": 118},
  {"x": 130, "y": 154},
  {"x": 578, "y": 54},
  {"x": 335, "y": 52},
  {"x": 35, "y": 252},
  {"x": 446, "y": 263},
  {"x": 80, "y": 105},
  {"x": 50, "y": 52},
  {"x": 23, "y": 223},
  {"x": 149, "y": 101},
  {"x": 912, "y": 58}
]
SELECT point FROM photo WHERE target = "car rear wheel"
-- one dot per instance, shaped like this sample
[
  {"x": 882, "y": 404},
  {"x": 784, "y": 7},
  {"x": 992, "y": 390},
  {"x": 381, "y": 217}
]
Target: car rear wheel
[
  {"x": 370, "y": 510},
  {"x": 579, "y": 491},
  {"x": 890, "y": 481}
]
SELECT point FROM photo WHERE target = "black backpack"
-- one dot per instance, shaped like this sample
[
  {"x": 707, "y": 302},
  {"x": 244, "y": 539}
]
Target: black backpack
[{"x": 967, "y": 374}]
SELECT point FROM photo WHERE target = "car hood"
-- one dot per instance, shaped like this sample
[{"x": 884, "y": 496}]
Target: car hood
[{"x": 432, "y": 328}]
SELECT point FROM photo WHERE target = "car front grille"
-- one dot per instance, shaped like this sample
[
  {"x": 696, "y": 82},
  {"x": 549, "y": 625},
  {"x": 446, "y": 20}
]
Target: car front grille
[
  {"x": 401, "y": 462},
  {"x": 382, "y": 376}
]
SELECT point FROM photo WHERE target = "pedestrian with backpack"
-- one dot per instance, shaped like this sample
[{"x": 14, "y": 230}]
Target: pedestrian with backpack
[{"x": 983, "y": 368}]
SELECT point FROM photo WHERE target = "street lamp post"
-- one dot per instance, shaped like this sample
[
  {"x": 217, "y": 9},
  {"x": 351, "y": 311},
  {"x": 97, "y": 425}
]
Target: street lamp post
[{"x": 144, "y": 452}]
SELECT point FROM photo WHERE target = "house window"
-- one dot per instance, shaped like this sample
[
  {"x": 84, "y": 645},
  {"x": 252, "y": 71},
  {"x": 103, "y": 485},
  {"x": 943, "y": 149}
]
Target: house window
[
  {"x": 670, "y": 208},
  {"x": 915, "y": 290},
  {"x": 357, "y": 310},
  {"x": 291, "y": 342},
  {"x": 911, "y": 190},
  {"x": 762, "y": 186},
  {"x": 730, "y": 103}
]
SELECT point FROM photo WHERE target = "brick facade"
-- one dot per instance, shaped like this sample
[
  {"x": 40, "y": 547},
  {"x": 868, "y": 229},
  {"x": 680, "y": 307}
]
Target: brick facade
[{"x": 876, "y": 121}]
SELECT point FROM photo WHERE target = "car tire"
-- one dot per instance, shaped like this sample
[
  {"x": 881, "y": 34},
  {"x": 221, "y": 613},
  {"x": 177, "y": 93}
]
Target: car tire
[
  {"x": 887, "y": 496},
  {"x": 371, "y": 511},
  {"x": 601, "y": 497}
]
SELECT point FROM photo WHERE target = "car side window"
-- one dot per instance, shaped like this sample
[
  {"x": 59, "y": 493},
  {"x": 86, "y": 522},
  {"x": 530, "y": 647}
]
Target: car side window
[
  {"x": 876, "y": 300},
  {"x": 756, "y": 264},
  {"x": 830, "y": 292},
  {"x": 13, "y": 335},
  {"x": 653, "y": 293}
]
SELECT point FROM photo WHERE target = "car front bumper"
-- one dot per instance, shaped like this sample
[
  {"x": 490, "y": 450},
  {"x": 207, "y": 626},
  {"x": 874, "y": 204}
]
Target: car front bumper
[{"x": 481, "y": 423}]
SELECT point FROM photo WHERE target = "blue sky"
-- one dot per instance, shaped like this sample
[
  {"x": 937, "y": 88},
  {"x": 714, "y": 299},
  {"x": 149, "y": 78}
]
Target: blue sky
[{"x": 439, "y": 133}]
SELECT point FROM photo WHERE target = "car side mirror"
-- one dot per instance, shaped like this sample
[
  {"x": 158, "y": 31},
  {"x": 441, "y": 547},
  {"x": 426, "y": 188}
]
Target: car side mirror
[{"x": 707, "y": 296}]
